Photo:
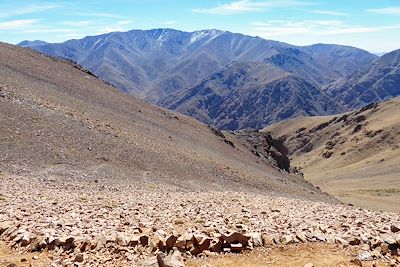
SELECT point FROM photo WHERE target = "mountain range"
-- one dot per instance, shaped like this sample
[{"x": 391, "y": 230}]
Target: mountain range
[{"x": 230, "y": 80}]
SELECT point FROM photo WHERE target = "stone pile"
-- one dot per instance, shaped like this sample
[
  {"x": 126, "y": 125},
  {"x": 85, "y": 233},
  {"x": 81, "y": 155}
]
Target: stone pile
[{"x": 92, "y": 223}]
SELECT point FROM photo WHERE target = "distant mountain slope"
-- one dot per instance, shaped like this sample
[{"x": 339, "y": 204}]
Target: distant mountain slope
[
  {"x": 342, "y": 59},
  {"x": 167, "y": 67},
  {"x": 374, "y": 82},
  {"x": 32, "y": 43},
  {"x": 251, "y": 95},
  {"x": 354, "y": 156},
  {"x": 59, "y": 121},
  {"x": 155, "y": 63}
]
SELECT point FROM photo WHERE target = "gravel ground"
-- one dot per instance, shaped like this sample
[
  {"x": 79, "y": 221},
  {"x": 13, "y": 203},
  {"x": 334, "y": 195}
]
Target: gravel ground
[{"x": 93, "y": 223}]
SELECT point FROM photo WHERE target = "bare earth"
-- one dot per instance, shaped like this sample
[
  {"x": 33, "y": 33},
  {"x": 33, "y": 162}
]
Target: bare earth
[{"x": 297, "y": 255}]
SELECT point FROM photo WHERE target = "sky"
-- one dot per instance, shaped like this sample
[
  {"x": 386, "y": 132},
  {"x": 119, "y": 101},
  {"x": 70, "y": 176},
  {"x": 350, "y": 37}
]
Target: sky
[{"x": 369, "y": 24}]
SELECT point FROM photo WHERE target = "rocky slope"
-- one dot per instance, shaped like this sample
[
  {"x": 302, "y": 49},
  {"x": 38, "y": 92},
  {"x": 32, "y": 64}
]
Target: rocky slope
[
  {"x": 81, "y": 222},
  {"x": 251, "y": 95},
  {"x": 374, "y": 82},
  {"x": 93, "y": 177},
  {"x": 354, "y": 156}
]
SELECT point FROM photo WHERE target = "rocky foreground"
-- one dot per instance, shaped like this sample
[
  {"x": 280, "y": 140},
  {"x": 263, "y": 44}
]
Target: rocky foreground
[{"x": 87, "y": 222}]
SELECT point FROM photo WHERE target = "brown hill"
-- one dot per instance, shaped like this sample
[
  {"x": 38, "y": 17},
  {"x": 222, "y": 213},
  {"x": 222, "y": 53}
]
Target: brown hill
[
  {"x": 354, "y": 156},
  {"x": 57, "y": 119}
]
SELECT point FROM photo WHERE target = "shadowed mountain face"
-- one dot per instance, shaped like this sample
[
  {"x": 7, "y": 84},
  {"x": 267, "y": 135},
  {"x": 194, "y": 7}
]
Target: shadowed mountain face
[
  {"x": 160, "y": 65},
  {"x": 374, "y": 82},
  {"x": 251, "y": 95},
  {"x": 60, "y": 121}
]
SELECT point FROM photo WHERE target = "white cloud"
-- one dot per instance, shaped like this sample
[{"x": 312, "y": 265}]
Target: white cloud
[
  {"x": 35, "y": 9},
  {"x": 395, "y": 10},
  {"x": 329, "y": 12},
  {"x": 18, "y": 24},
  {"x": 276, "y": 28},
  {"x": 169, "y": 23},
  {"x": 44, "y": 29},
  {"x": 125, "y": 22},
  {"x": 31, "y": 9},
  {"x": 78, "y": 23},
  {"x": 244, "y": 6},
  {"x": 100, "y": 15}
]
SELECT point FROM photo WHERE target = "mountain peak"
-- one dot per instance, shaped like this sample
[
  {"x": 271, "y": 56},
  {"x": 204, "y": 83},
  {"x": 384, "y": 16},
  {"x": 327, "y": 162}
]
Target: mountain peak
[{"x": 28, "y": 43}]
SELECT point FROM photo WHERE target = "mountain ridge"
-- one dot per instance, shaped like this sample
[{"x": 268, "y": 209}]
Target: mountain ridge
[
  {"x": 374, "y": 82},
  {"x": 159, "y": 65}
]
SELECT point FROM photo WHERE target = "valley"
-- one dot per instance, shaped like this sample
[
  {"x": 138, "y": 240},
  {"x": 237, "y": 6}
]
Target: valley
[
  {"x": 353, "y": 156},
  {"x": 207, "y": 148}
]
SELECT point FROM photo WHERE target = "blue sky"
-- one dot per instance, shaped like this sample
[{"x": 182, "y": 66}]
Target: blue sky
[{"x": 369, "y": 24}]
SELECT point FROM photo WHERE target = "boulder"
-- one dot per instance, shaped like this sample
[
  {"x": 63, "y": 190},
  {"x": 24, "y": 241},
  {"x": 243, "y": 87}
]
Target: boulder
[
  {"x": 394, "y": 228},
  {"x": 286, "y": 239},
  {"x": 4, "y": 226},
  {"x": 155, "y": 243},
  {"x": 122, "y": 240},
  {"x": 134, "y": 241},
  {"x": 301, "y": 237},
  {"x": 144, "y": 240},
  {"x": 235, "y": 238},
  {"x": 191, "y": 246},
  {"x": 365, "y": 256},
  {"x": 26, "y": 239},
  {"x": 53, "y": 242},
  {"x": 203, "y": 242},
  {"x": 354, "y": 241},
  {"x": 170, "y": 241},
  {"x": 256, "y": 239},
  {"x": 388, "y": 239},
  {"x": 319, "y": 236},
  {"x": 215, "y": 245},
  {"x": 69, "y": 243},
  {"x": 180, "y": 243},
  {"x": 9, "y": 231},
  {"x": 173, "y": 259},
  {"x": 79, "y": 258},
  {"x": 38, "y": 244},
  {"x": 268, "y": 240},
  {"x": 83, "y": 244}
]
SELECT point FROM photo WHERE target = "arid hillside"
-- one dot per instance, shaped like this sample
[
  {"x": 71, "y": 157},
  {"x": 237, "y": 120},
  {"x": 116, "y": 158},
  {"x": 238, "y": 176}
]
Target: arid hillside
[
  {"x": 57, "y": 119},
  {"x": 93, "y": 177},
  {"x": 354, "y": 156}
]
